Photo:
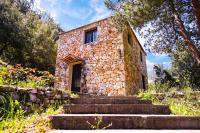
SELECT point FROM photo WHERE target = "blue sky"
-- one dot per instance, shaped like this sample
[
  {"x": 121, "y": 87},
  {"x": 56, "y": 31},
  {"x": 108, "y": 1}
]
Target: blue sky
[{"x": 70, "y": 14}]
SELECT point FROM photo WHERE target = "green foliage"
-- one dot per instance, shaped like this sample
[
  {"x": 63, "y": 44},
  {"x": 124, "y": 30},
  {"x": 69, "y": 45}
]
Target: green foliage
[
  {"x": 10, "y": 108},
  {"x": 27, "y": 37},
  {"x": 184, "y": 107},
  {"x": 163, "y": 76},
  {"x": 38, "y": 122},
  {"x": 183, "y": 102},
  {"x": 13, "y": 119},
  {"x": 185, "y": 68},
  {"x": 25, "y": 77},
  {"x": 11, "y": 115},
  {"x": 146, "y": 95},
  {"x": 98, "y": 122}
]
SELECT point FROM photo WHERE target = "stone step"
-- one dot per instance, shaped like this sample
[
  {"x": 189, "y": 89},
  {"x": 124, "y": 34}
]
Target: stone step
[
  {"x": 116, "y": 109},
  {"x": 94, "y": 96},
  {"x": 87, "y": 95},
  {"x": 125, "y": 121},
  {"x": 126, "y": 131},
  {"x": 109, "y": 101}
]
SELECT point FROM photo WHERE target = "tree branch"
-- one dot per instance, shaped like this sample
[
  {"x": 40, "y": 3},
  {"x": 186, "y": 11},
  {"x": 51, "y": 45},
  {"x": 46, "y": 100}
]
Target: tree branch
[
  {"x": 196, "y": 7},
  {"x": 182, "y": 31}
]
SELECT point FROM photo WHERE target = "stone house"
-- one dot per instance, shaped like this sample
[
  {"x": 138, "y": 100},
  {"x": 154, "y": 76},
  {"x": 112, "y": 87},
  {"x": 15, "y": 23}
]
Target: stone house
[{"x": 96, "y": 58}]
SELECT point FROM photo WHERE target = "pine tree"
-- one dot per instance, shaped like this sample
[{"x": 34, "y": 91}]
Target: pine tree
[{"x": 163, "y": 23}]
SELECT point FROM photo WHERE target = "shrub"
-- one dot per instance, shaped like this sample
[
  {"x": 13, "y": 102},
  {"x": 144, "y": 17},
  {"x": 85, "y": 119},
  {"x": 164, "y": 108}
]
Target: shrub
[
  {"x": 25, "y": 77},
  {"x": 13, "y": 119},
  {"x": 184, "y": 102}
]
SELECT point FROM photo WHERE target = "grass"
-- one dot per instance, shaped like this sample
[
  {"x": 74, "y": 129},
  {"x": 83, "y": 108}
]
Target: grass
[
  {"x": 13, "y": 119},
  {"x": 186, "y": 104}
]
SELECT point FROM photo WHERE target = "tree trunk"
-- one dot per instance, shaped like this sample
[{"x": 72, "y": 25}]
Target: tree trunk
[
  {"x": 192, "y": 48},
  {"x": 196, "y": 7}
]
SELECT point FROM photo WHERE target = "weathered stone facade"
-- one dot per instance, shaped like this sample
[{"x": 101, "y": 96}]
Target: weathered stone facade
[{"x": 110, "y": 66}]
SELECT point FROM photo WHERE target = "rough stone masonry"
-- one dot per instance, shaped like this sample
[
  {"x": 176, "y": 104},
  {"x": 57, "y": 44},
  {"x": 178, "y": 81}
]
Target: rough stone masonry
[{"x": 112, "y": 62}]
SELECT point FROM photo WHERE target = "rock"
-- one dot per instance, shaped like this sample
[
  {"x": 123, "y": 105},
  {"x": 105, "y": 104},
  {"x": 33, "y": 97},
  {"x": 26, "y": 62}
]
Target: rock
[
  {"x": 33, "y": 98},
  {"x": 34, "y": 91},
  {"x": 58, "y": 96},
  {"x": 41, "y": 92},
  {"x": 15, "y": 96},
  {"x": 49, "y": 93},
  {"x": 5, "y": 88},
  {"x": 65, "y": 95},
  {"x": 52, "y": 101},
  {"x": 37, "y": 100},
  {"x": 46, "y": 100}
]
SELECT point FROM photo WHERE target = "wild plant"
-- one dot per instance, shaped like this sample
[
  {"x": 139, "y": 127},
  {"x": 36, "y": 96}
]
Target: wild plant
[{"x": 98, "y": 122}]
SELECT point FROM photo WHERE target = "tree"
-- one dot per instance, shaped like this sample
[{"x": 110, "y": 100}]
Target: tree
[
  {"x": 27, "y": 37},
  {"x": 164, "y": 76},
  {"x": 163, "y": 23},
  {"x": 185, "y": 68}
]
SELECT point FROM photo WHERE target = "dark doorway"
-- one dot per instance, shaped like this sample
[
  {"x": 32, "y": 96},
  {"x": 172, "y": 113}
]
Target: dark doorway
[
  {"x": 143, "y": 82},
  {"x": 76, "y": 78}
]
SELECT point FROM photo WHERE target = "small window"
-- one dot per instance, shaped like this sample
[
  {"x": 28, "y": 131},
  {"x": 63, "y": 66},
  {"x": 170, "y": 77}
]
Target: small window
[
  {"x": 91, "y": 36},
  {"x": 141, "y": 57},
  {"x": 129, "y": 39}
]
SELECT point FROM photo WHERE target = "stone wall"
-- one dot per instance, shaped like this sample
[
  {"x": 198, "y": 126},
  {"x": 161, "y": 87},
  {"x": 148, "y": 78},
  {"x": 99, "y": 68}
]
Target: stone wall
[
  {"x": 103, "y": 66},
  {"x": 32, "y": 98},
  {"x": 134, "y": 67}
]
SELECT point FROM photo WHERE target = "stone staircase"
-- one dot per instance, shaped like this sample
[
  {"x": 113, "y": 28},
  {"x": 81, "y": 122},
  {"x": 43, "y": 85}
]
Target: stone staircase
[{"x": 88, "y": 112}]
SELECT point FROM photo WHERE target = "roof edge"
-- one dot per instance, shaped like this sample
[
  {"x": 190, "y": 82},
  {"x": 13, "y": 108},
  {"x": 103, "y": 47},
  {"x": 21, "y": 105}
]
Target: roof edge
[{"x": 84, "y": 25}]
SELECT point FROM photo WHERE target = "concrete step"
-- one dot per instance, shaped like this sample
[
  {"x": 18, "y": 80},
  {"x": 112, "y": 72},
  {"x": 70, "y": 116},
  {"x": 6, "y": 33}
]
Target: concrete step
[
  {"x": 125, "y": 121},
  {"x": 109, "y": 101},
  {"x": 116, "y": 109}
]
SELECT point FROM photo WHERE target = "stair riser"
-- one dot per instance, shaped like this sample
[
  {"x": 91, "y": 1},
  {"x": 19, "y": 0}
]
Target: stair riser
[
  {"x": 108, "y": 101},
  {"x": 116, "y": 109},
  {"x": 125, "y": 122},
  {"x": 122, "y": 97}
]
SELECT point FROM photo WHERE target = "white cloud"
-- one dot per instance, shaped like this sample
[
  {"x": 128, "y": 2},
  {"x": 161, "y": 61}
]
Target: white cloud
[
  {"x": 52, "y": 2},
  {"x": 58, "y": 8},
  {"x": 80, "y": 13},
  {"x": 150, "y": 71},
  {"x": 54, "y": 8},
  {"x": 100, "y": 10},
  {"x": 37, "y": 5}
]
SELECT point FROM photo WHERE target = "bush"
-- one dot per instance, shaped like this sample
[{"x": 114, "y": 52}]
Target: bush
[
  {"x": 25, "y": 77},
  {"x": 183, "y": 102}
]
